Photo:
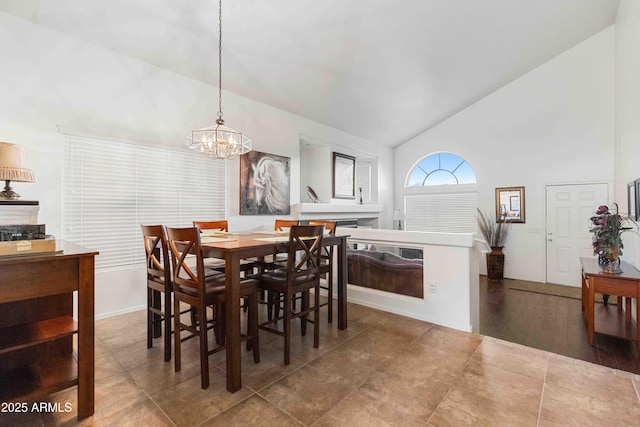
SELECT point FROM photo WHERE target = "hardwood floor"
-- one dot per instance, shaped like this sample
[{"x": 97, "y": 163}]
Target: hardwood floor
[{"x": 550, "y": 323}]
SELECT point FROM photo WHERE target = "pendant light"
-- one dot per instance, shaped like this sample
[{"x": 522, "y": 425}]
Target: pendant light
[{"x": 219, "y": 141}]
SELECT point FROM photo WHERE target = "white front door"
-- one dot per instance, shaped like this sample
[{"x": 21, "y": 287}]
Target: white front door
[{"x": 569, "y": 208}]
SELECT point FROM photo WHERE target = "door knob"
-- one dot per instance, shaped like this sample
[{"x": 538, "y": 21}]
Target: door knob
[{"x": 550, "y": 240}]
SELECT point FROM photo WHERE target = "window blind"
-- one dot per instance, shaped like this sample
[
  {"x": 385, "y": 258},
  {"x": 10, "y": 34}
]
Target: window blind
[
  {"x": 110, "y": 188},
  {"x": 446, "y": 213}
]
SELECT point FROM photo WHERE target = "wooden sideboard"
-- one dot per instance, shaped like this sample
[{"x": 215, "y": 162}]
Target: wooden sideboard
[
  {"x": 604, "y": 319},
  {"x": 37, "y": 326}
]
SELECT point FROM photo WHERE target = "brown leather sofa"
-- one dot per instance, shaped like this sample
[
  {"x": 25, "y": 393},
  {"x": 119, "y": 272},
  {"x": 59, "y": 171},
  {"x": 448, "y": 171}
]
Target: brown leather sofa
[{"x": 386, "y": 271}]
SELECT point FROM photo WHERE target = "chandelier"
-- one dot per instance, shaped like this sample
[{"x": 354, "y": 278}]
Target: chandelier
[{"x": 219, "y": 141}]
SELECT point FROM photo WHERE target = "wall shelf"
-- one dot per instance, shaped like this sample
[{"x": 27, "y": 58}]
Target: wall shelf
[{"x": 335, "y": 211}]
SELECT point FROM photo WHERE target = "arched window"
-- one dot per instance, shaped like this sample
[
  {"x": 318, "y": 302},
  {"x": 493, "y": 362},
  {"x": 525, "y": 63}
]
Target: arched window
[
  {"x": 446, "y": 210},
  {"x": 441, "y": 169}
]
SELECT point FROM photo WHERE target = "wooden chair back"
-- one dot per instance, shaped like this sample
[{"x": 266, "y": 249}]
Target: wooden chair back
[
  {"x": 156, "y": 250},
  {"x": 329, "y": 226},
  {"x": 305, "y": 251},
  {"x": 221, "y": 225},
  {"x": 184, "y": 243},
  {"x": 281, "y": 224}
]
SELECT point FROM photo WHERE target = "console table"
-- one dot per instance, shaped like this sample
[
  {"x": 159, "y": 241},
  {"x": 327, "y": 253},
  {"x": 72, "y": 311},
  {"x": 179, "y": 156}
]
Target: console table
[
  {"x": 37, "y": 325},
  {"x": 605, "y": 319}
]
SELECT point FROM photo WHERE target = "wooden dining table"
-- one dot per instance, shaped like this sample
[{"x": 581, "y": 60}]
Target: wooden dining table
[{"x": 234, "y": 247}]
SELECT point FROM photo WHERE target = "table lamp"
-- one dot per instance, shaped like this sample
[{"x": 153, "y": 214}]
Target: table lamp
[{"x": 14, "y": 166}]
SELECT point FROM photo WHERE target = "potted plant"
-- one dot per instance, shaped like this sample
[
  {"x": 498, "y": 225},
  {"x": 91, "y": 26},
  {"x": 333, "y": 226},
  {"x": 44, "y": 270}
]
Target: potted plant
[
  {"x": 607, "y": 228},
  {"x": 495, "y": 233}
]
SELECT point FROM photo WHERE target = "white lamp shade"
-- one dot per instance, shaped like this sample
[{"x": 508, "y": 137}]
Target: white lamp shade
[{"x": 14, "y": 164}]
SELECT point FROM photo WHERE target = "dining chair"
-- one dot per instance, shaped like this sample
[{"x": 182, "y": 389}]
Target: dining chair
[
  {"x": 192, "y": 287},
  {"x": 159, "y": 285},
  {"x": 299, "y": 276},
  {"x": 326, "y": 267}
]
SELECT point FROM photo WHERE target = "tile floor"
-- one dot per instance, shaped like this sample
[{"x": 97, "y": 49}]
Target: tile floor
[{"x": 384, "y": 370}]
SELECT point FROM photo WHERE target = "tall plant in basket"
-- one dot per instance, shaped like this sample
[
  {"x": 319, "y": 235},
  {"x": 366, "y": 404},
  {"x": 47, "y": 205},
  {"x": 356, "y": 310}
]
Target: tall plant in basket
[{"x": 495, "y": 233}]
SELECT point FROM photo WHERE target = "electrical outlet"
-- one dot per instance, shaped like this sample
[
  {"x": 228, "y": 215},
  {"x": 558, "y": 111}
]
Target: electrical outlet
[{"x": 432, "y": 287}]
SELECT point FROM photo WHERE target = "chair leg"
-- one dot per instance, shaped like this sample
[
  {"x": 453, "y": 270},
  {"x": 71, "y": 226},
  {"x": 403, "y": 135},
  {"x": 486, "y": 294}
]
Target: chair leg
[
  {"x": 167, "y": 325},
  {"x": 270, "y": 305},
  {"x": 330, "y": 291},
  {"x": 218, "y": 329},
  {"x": 316, "y": 316},
  {"x": 176, "y": 335},
  {"x": 252, "y": 324},
  {"x": 287, "y": 328},
  {"x": 305, "y": 306},
  {"x": 149, "y": 319},
  {"x": 204, "y": 348}
]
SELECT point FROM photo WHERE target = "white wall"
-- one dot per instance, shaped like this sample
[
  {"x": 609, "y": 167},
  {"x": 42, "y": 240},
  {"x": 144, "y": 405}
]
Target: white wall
[
  {"x": 554, "y": 125},
  {"x": 49, "y": 79},
  {"x": 627, "y": 159}
]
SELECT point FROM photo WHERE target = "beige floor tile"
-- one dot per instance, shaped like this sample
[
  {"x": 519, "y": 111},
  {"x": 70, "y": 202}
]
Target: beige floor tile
[
  {"x": 255, "y": 412},
  {"x": 594, "y": 380},
  {"x": 18, "y": 419},
  {"x": 353, "y": 365},
  {"x": 307, "y": 393},
  {"x": 512, "y": 358},
  {"x": 488, "y": 395},
  {"x": 439, "y": 337},
  {"x": 270, "y": 369},
  {"x": 112, "y": 395},
  {"x": 187, "y": 404},
  {"x": 403, "y": 326},
  {"x": 153, "y": 377},
  {"x": 562, "y": 406},
  {"x": 434, "y": 363},
  {"x": 380, "y": 343},
  {"x": 412, "y": 391},
  {"x": 136, "y": 354},
  {"x": 360, "y": 409}
]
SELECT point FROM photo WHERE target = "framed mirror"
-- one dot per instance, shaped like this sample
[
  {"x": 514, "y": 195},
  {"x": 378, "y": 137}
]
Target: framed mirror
[
  {"x": 510, "y": 204},
  {"x": 344, "y": 176}
]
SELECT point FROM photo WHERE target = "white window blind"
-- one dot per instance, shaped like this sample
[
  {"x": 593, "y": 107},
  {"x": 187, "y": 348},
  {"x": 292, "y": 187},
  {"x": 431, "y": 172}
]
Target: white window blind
[
  {"x": 446, "y": 213},
  {"x": 110, "y": 188},
  {"x": 363, "y": 180}
]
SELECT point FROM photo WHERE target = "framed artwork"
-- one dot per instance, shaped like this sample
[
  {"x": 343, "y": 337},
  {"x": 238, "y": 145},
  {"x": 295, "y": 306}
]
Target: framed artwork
[
  {"x": 510, "y": 205},
  {"x": 344, "y": 176},
  {"x": 264, "y": 184},
  {"x": 632, "y": 199}
]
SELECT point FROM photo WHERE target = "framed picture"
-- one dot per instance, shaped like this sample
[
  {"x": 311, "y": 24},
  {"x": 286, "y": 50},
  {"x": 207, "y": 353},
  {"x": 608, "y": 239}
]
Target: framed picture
[
  {"x": 344, "y": 176},
  {"x": 264, "y": 184},
  {"x": 632, "y": 199},
  {"x": 510, "y": 205}
]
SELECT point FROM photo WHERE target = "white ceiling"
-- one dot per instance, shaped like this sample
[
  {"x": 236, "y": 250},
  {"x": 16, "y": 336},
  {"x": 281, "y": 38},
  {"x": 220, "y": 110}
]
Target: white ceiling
[{"x": 385, "y": 70}]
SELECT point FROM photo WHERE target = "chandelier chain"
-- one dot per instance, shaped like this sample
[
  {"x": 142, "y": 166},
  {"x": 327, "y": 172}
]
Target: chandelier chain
[{"x": 220, "y": 59}]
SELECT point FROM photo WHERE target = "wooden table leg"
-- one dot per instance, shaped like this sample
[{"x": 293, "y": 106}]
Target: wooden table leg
[
  {"x": 342, "y": 284},
  {"x": 232, "y": 324},
  {"x": 590, "y": 309},
  {"x": 627, "y": 308}
]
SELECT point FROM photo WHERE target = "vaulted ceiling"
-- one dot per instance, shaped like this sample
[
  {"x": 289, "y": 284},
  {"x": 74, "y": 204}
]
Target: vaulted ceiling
[{"x": 385, "y": 70}]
